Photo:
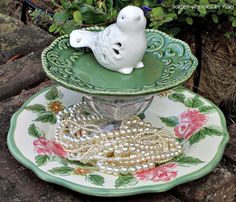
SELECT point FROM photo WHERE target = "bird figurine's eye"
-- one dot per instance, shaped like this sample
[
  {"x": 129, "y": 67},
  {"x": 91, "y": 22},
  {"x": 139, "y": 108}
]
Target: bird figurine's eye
[{"x": 122, "y": 17}]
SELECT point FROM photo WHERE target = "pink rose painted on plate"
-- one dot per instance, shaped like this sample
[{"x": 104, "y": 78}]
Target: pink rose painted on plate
[
  {"x": 189, "y": 123},
  {"x": 162, "y": 173},
  {"x": 44, "y": 146}
]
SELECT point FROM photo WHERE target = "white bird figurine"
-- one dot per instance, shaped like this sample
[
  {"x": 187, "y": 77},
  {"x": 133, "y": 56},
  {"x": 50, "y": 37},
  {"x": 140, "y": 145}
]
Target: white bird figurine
[{"x": 119, "y": 47}]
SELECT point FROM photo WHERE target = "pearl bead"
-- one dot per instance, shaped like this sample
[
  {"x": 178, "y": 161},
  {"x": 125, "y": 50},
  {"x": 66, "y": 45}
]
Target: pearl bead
[
  {"x": 110, "y": 134},
  {"x": 132, "y": 148},
  {"x": 109, "y": 169},
  {"x": 128, "y": 122},
  {"x": 140, "y": 129},
  {"x": 124, "y": 170},
  {"x": 128, "y": 131},
  {"x": 134, "y": 130},
  {"x": 132, "y": 162},
  {"x": 138, "y": 167},
  {"x": 145, "y": 166},
  {"x": 180, "y": 150},
  {"x": 132, "y": 169},
  {"x": 151, "y": 164},
  {"x": 122, "y": 131},
  {"x": 116, "y": 170},
  {"x": 116, "y": 133},
  {"x": 102, "y": 167},
  {"x": 176, "y": 153}
]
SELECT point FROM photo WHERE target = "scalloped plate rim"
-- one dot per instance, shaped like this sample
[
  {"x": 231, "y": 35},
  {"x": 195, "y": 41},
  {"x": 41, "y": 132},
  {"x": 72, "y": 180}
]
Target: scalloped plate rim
[
  {"x": 126, "y": 92},
  {"x": 104, "y": 192}
]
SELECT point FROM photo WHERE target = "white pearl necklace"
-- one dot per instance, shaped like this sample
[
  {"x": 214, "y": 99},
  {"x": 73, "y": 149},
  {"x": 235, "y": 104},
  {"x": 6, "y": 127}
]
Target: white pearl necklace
[{"x": 134, "y": 146}]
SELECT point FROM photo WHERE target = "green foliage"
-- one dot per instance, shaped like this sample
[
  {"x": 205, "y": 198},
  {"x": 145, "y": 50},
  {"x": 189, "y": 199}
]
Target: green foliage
[
  {"x": 203, "y": 132},
  {"x": 74, "y": 14},
  {"x": 34, "y": 131},
  {"x": 47, "y": 117},
  {"x": 194, "y": 102},
  {"x": 141, "y": 116},
  {"x": 170, "y": 121},
  {"x": 95, "y": 179},
  {"x": 188, "y": 160},
  {"x": 64, "y": 170},
  {"x": 36, "y": 108},
  {"x": 52, "y": 94},
  {"x": 41, "y": 160},
  {"x": 125, "y": 180},
  {"x": 165, "y": 15},
  {"x": 177, "y": 97},
  {"x": 41, "y": 18},
  {"x": 207, "y": 109}
]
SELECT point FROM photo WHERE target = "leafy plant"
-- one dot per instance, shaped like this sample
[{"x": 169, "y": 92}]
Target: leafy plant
[
  {"x": 41, "y": 18},
  {"x": 166, "y": 15},
  {"x": 75, "y": 14}
]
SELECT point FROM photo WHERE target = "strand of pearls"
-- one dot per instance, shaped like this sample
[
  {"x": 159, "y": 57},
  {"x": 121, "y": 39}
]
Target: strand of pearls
[{"x": 133, "y": 147}]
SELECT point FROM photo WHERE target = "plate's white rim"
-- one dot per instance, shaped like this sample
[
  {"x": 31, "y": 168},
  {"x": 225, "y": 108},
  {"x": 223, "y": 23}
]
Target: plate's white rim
[{"x": 119, "y": 191}]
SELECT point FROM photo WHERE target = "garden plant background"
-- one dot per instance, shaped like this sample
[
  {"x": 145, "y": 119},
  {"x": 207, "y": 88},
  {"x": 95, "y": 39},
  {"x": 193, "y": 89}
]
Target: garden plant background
[{"x": 167, "y": 15}]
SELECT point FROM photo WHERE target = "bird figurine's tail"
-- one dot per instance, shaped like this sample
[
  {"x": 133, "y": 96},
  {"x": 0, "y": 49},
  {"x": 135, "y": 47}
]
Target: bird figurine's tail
[{"x": 82, "y": 38}]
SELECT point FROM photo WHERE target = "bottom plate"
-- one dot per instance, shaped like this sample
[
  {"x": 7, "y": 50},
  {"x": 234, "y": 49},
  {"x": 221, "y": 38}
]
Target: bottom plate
[{"x": 196, "y": 122}]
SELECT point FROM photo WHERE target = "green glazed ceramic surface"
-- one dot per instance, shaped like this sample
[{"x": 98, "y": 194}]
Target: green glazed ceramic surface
[
  {"x": 30, "y": 140},
  {"x": 168, "y": 62}
]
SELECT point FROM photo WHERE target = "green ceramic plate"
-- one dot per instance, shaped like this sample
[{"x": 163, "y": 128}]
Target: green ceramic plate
[
  {"x": 168, "y": 62},
  {"x": 193, "y": 120}
]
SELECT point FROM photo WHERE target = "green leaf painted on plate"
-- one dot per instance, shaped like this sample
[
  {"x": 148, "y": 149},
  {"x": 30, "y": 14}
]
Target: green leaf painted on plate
[
  {"x": 81, "y": 165},
  {"x": 197, "y": 136},
  {"x": 125, "y": 180},
  {"x": 36, "y": 108},
  {"x": 213, "y": 131},
  {"x": 47, "y": 117},
  {"x": 207, "y": 109},
  {"x": 34, "y": 131},
  {"x": 95, "y": 179},
  {"x": 203, "y": 132},
  {"x": 60, "y": 160},
  {"x": 177, "y": 97},
  {"x": 41, "y": 160},
  {"x": 170, "y": 121},
  {"x": 52, "y": 94},
  {"x": 180, "y": 140},
  {"x": 188, "y": 160},
  {"x": 141, "y": 116},
  {"x": 194, "y": 102},
  {"x": 63, "y": 170},
  {"x": 179, "y": 89}
]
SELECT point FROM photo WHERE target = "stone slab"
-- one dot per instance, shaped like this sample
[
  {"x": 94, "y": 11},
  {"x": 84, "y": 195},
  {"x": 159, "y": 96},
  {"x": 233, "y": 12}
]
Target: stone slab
[
  {"x": 218, "y": 186},
  {"x": 20, "y": 74},
  {"x": 17, "y": 39}
]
